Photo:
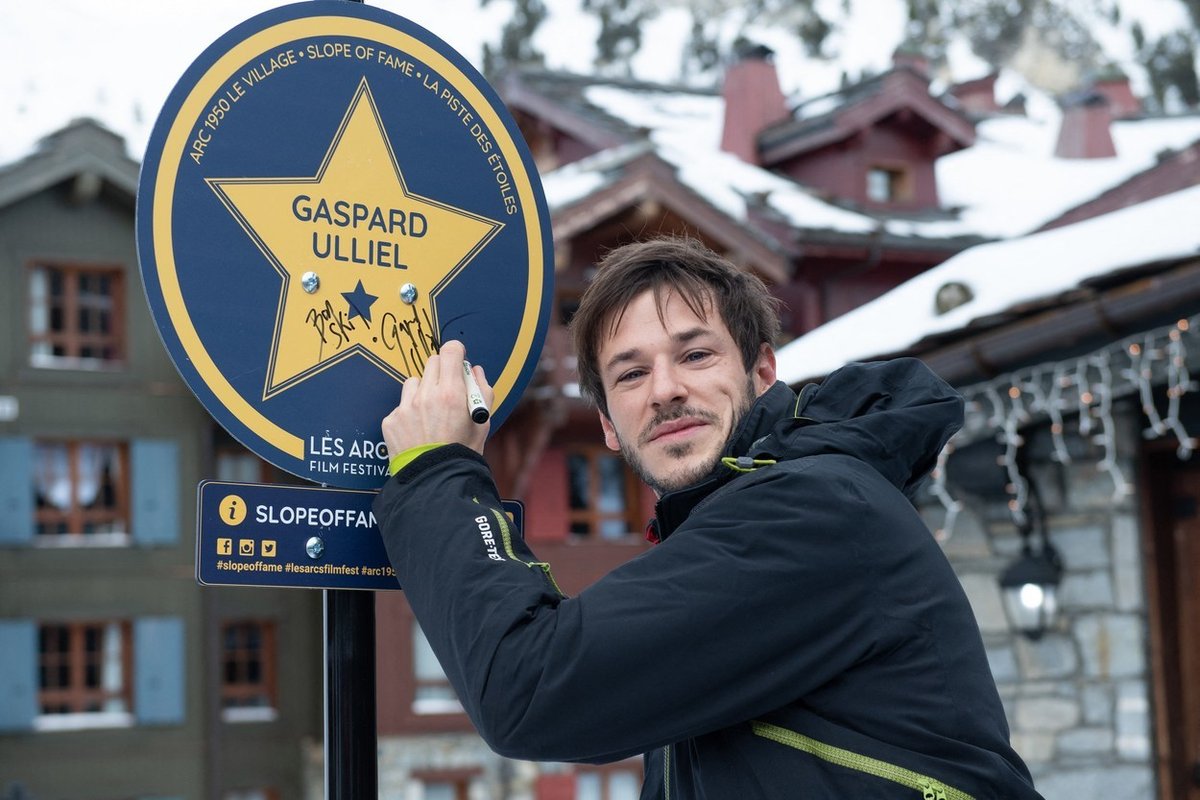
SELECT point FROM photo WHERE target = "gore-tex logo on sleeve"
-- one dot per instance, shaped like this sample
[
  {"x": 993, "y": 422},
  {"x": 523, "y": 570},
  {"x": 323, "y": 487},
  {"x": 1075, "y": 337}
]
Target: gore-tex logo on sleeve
[{"x": 489, "y": 540}]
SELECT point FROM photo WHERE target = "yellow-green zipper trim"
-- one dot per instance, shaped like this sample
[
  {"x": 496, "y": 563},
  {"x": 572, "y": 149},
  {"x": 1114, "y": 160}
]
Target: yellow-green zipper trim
[
  {"x": 745, "y": 463},
  {"x": 930, "y": 789},
  {"x": 667, "y": 772},
  {"x": 506, "y": 539}
]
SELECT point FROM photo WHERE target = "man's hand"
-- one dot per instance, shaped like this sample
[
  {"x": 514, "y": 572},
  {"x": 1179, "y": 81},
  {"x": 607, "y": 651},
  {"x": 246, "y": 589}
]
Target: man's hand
[{"x": 433, "y": 408}]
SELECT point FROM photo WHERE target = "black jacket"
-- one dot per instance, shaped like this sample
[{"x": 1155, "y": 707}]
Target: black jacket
[{"x": 798, "y": 633}]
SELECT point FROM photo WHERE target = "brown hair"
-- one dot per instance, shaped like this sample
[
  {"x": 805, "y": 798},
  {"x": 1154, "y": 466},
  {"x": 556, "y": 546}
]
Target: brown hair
[{"x": 700, "y": 277}]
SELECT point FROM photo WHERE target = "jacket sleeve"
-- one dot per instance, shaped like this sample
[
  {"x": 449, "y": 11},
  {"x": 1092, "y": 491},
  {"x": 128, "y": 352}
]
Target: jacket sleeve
[{"x": 752, "y": 602}]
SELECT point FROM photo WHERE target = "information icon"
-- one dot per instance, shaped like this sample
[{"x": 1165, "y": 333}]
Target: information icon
[{"x": 233, "y": 510}]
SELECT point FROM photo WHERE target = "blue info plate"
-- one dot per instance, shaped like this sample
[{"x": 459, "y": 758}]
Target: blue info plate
[{"x": 299, "y": 537}]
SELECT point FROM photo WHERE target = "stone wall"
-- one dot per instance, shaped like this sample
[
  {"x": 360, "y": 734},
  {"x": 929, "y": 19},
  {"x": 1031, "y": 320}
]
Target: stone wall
[{"x": 1077, "y": 699}]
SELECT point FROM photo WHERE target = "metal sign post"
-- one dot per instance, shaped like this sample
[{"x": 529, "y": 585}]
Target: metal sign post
[
  {"x": 329, "y": 192},
  {"x": 351, "y": 758}
]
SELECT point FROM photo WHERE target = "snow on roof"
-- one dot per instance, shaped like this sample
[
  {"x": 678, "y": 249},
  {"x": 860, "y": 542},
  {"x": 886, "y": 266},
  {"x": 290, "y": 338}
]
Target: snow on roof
[
  {"x": 1007, "y": 184},
  {"x": 579, "y": 179},
  {"x": 1000, "y": 275},
  {"x": 1010, "y": 182},
  {"x": 686, "y": 130}
]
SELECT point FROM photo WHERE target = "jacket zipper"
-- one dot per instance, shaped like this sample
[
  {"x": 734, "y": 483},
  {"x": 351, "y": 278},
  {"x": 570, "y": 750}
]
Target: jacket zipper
[
  {"x": 667, "y": 772},
  {"x": 506, "y": 539},
  {"x": 929, "y": 788}
]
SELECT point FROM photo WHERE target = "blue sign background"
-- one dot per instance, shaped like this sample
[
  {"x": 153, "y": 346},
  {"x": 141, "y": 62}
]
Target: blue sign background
[
  {"x": 282, "y": 127},
  {"x": 277, "y": 522}
]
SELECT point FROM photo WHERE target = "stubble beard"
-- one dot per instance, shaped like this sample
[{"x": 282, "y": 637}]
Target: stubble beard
[{"x": 663, "y": 483}]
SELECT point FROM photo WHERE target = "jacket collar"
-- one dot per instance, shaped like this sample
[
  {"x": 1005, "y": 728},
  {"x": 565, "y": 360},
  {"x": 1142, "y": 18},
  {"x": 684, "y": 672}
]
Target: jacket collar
[{"x": 674, "y": 507}]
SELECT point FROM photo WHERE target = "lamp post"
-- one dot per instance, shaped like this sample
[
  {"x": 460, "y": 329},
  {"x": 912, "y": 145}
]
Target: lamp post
[{"x": 1030, "y": 589}]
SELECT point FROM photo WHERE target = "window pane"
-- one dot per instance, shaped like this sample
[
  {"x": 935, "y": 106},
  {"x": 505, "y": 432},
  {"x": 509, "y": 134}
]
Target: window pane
[
  {"x": 578, "y": 475},
  {"x": 622, "y": 786},
  {"x": 612, "y": 485},
  {"x": 425, "y": 663},
  {"x": 879, "y": 185},
  {"x": 52, "y": 476},
  {"x": 82, "y": 669},
  {"x": 433, "y": 693},
  {"x": 439, "y": 791},
  {"x": 587, "y": 786},
  {"x": 39, "y": 311},
  {"x": 239, "y": 466},
  {"x": 247, "y": 665},
  {"x": 78, "y": 489},
  {"x": 73, "y": 316}
]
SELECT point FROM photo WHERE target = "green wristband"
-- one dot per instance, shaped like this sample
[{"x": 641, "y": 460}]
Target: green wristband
[{"x": 403, "y": 459}]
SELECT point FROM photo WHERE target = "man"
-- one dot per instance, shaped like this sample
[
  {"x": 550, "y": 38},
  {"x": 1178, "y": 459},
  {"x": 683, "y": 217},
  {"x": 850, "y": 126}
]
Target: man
[{"x": 797, "y": 633}]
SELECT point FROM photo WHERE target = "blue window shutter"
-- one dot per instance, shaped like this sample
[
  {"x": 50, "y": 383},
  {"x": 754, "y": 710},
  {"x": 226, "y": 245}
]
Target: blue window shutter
[
  {"x": 155, "y": 500},
  {"x": 158, "y": 666},
  {"x": 16, "y": 490},
  {"x": 18, "y": 674}
]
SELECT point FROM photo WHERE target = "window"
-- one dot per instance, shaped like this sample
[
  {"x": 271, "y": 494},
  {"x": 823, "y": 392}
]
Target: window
[
  {"x": 433, "y": 694},
  {"x": 83, "y": 669},
  {"x": 568, "y": 304},
  {"x": 248, "y": 671},
  {"x": 888, "y": 185},
  {"x": 240, "y": 466},
  {"x": 441, "y": 784},
  {"x": 603, "y": 494},
  {"x": 81, "y": 492},
  {"x": 75, "y": 316},
  {"x": 609, "y": 782}
]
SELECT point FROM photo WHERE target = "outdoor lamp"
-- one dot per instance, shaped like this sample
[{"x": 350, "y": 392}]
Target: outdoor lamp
[{"x": 1030, "y": 589}]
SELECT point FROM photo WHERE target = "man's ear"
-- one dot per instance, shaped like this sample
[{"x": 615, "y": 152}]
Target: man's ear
[
  {"x": 610, "y": 432},
  {"x": 764, "y": 369}
]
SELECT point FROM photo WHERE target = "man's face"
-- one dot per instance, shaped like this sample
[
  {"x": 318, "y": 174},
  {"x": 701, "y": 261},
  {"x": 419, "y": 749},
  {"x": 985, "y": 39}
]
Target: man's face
[{"x": 675, "y": 389}]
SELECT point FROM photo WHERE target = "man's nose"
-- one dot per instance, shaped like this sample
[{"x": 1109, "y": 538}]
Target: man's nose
[{"x": 666, "y": 385}]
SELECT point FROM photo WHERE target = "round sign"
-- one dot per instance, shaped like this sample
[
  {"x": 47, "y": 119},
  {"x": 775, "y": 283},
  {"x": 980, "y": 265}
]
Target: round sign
[{"x": 329, "y": 193}]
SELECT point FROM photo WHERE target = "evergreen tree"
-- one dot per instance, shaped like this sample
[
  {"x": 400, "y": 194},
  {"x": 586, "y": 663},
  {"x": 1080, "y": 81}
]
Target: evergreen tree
[
  {"x": 620, "y": 31},
  {"x": 516, "y": 46},
  {"x": 1171, "y": 66},
  {"x": 701, "y": 54}
]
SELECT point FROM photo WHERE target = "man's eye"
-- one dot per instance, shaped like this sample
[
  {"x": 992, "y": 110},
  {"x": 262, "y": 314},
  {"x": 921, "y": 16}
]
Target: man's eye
[
  {"x": 630, "y": 375},
  {"x": 697, "y": 355}
]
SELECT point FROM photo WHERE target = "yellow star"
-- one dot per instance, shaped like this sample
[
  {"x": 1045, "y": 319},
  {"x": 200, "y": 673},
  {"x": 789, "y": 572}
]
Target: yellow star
[{"x": 369, "y": 242}]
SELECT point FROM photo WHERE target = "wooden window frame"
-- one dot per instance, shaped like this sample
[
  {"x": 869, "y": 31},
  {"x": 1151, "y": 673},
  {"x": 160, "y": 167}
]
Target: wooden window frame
[
  {"x": 75, "y": 519},
  {"x": 76, "y": 697},
  {"x": 900, "y": 183},
  {"x": 244, "y": 700},
  {"x": 592, "y": 517},
  {"x": 71, "y": 339}
]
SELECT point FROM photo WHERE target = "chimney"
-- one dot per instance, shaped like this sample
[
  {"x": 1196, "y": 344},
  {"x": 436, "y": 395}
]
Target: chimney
[
  {"x": 977, "y": 96},
  {"x": 1114, "y": 85},
  {"x": 753, "y": 101},
  {"x": 910, "y": 56},
  {"x": 1085, "y": 127}
]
